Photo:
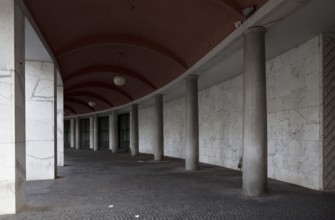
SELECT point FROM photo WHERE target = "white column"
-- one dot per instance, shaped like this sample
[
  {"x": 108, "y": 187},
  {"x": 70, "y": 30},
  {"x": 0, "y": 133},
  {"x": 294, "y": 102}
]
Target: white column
[
  {"x": 40, "y": 120},
  {"x": 12, "y": 109},
  {"x": 158, "y": 129},
  {"x": 254, "y": 176},
  {"x": 91, "y": 132},
  {"x": 192, "y": 124},
  {"x": 72, "y": 132},
  {"x": 113, "y": 132},
  {"x": 60, "y": 126},
  {"x": 134, "y": 130},
  {"x": 96, "y": 133},
  {"x": 77, "y": 145}
]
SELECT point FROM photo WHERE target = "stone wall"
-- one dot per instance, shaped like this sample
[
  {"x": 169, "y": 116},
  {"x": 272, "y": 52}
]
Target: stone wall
[
  {"x": 40, "y": 122},
  {"x": 294, "y": 87},
  {"x": 146, "y": 130},
  {"x": 294, "y": 115}
]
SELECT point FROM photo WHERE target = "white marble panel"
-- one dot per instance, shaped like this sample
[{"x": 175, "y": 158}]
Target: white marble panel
[
  {"x": 40, "y": 120},
  {"x": 60, "y": 126},
  {"x": 294, "y": 119},
  {"x": 40, "y": 160},
  {"x": 220, "y": 123},
  {"x": 174, "y": 128},
  {"x": 146, "y": 130}
]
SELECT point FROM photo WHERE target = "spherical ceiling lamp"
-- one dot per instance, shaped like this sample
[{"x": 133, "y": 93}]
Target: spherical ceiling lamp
[
  {"x": 91, "y": 103},
  {"x": 119, "y": 80}
]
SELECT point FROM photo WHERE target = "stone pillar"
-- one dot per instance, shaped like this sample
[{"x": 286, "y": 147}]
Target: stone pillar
[
  {"x": 12, "y": 109},
  {"x": 60, "y": 125},
  {"x": 91, "y": 132},
  {"x": 72, "y": 132},
  {"x": 96, "y": 132},
  {"x": 77, "y": 133},
  {"x": 134, "y": 130},
  {"x": 254, "y": 177},
  {"x": 158, "y": 128},
  {"x": 41, "y": 120},
  {"x": 113, "y": 132},
  {"x": 192, "y": 124}
]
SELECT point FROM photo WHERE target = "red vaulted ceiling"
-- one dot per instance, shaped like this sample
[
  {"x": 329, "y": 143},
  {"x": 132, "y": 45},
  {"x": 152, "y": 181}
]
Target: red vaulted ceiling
[{"x": 159, "y": 40}]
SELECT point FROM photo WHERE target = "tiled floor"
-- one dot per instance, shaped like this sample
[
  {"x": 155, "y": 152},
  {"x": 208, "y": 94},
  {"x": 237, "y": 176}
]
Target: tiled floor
[{"x": 99, "y": 185}]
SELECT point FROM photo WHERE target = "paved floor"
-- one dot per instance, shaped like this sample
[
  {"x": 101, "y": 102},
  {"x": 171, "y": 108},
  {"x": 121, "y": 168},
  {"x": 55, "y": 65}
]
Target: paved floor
[{"x": 99, "y": 185}]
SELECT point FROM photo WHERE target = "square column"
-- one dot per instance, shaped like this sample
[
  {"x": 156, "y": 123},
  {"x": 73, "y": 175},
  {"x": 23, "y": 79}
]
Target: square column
[
  {"x": 77, "y": 142},
  {"x": 72, "y": 132},
  {"x": 60, "y": 125},
  {"x": 254, "y": 176},
  {"x": 134, "y": 130},
  {"x": 95, "y": 132},
  {"x": 113, "y": 132},
  {"x": 192, "y": 124},
  {"x": 40, "y": 120},
  {"x": 158, "y": 128},
  {"x": 12, "y": 108}
]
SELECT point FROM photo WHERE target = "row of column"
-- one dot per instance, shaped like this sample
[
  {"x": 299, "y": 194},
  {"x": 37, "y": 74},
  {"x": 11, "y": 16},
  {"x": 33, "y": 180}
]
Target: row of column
[
  {"x": 254, "y": 119},
  {"x": 12, "y": 117}
]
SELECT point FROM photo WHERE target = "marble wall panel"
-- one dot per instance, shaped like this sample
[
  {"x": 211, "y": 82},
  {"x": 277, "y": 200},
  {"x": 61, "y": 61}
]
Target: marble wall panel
[
  {"x": 294, "y": 118},
  {"x": 174, "y": 128},
  {"x": 40, "y": 121},
  {"x": 146, "y": 130}
]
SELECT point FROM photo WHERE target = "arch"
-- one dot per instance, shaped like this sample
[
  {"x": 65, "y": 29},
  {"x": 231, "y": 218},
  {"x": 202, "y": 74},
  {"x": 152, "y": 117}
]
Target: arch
[
  {"x": 71, "y": 109},
  {"x": 120, "y": 39},
  {"x": 89, "y": 94},
  {"x": 233, "y": 8},
  {"x": 78, "y": 101},
  {"x": 110, "y": 69},
  {"x": 101, "y": 85}
]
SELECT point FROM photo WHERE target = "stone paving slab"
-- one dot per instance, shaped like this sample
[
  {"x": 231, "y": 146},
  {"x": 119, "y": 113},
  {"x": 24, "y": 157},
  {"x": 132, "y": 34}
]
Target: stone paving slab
[{"x": 101, "y": 185}]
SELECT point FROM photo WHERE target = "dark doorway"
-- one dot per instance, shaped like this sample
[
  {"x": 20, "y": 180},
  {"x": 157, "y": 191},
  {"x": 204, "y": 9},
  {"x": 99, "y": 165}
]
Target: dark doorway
[
  {"x": 67, "y": 134},
  {"x": 124, "y": 132},
  {"x": 104, "y": 133},
  {"x": 84, "y": 133}
]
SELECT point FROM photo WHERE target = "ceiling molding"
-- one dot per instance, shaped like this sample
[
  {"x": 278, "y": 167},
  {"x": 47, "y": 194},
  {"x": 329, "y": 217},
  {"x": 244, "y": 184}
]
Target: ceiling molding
[
  {"x": 118, "y": 39},
  {"x": 96, "y": 84},
  {"x": 78, "y": 101},
  {"x": 89, "y": 94},
  {"x": 71, "y": 109},
  {"x": 109, "y": 69}
]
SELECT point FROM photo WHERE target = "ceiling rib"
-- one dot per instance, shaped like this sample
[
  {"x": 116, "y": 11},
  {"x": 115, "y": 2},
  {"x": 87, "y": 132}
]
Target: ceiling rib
[
  {"x": 117, "y": 39},
  {"x": 89, "y": 94},
  {"x": 71, "y": 109},
  {"x": 109, "y": 69},
  {"x": 95, "y": 84},
  {"x": 78, "y": 101},
  {"x": 233, "y": 8}
]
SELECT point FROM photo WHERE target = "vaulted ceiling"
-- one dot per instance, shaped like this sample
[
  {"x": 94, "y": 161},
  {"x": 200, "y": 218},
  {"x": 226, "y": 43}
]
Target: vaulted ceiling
[{"x": 149, "y": 42}]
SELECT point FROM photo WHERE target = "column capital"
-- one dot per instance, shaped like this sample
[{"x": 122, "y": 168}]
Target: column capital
[{"x": 253, "y": 29}]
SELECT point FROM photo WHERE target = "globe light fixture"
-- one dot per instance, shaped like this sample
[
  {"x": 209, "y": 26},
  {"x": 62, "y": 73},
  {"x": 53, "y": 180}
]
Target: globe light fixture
[
  {"x": 118, "y": 79},
  {"x": 91, "y": 103}
]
